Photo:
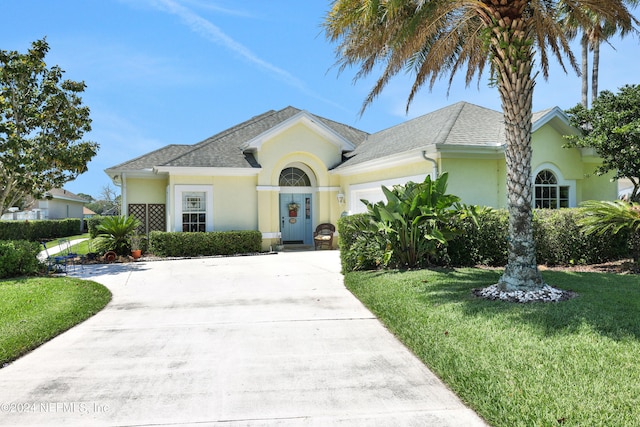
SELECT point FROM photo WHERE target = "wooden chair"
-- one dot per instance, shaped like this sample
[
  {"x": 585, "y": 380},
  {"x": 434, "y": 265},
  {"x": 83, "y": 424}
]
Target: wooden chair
[{"x": 323, "y": 236}]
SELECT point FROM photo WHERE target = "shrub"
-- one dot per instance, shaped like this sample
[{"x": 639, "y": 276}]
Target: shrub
[
  {"x": 38, "y": 230},
  {"x": 92, "y": 225},
  {"x": 559, "y": 235},
  {"x": 18, "y": 258},
  {"x": 480, "y": 242},
  {"x": 204, "y": 244},
  {"x": 357, "y": 252},
  {"x": 561, "y": 240}
]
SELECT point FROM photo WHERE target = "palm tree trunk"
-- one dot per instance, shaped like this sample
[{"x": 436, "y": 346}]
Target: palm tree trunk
[
  {"x": 595, "y": 70},
  {"x": 584, "y": 43},
  {"x": 513, "y": 60}
]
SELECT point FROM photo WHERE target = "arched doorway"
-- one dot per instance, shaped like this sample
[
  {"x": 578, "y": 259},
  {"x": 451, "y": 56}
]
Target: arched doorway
[{"x": 295, "y": 206}]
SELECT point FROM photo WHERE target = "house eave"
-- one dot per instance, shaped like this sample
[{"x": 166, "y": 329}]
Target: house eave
[
  {"x": 147, "y": 173},
  {"x": 495, "y": 151},
  {"x": 206, "y": 171},
  {"x": 388, "y": 161}
]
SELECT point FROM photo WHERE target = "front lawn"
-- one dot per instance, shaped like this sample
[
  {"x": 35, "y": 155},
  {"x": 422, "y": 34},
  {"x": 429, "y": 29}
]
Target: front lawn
[
  {"x": 34, "y": 310},
  {"x": 573, "y": 363}
]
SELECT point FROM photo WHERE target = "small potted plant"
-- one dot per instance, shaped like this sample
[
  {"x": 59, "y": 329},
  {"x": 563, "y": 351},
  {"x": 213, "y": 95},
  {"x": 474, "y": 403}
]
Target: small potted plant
[
  {"x": 293, "y": 209},
  {"x": 136, "y": 248}
]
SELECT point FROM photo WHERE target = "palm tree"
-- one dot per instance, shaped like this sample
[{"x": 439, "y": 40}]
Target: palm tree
[
  {"x": 435, "y": 38},
  {"x": 595, "y": 31}
]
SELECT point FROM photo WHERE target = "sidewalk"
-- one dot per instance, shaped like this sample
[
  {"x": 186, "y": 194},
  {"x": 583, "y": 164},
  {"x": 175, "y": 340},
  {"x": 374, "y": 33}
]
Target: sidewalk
[{"x": 42, "y": 256}]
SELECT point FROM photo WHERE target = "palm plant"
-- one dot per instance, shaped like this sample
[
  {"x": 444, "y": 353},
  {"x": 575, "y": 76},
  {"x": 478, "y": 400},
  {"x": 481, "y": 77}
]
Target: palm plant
[
  {"x": 114, "y": 233},
  {"x": 615, "y": 217},
  {"x": 439, "y": 37}
]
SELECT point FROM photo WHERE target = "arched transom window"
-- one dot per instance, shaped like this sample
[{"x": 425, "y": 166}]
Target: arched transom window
[
  {"x": 294, "y": 177},
  {"x": 549, "y": 194}
]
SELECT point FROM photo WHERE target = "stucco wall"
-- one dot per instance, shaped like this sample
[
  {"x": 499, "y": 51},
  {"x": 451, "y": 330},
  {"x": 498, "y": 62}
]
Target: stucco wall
[
  {"x": 146, "y": 190},
  {"x": 235, "y": 203},
  {"x": 475, "y": 181}
]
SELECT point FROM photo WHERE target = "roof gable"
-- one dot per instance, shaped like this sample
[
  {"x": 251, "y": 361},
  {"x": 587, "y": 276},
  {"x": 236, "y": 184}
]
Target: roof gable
[
  {"x": 308, "y": 120},
  {"x": 556, "y": 118}
]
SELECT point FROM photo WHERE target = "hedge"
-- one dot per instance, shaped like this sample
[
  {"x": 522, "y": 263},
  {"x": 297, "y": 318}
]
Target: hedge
[
  {"x": 38, "y": 230},
  {"x": 92, "y": 224},
  {"x": 180, "y": 244},
  {"x": 559, "y": 241},
  {"x": 18, "y": 258}
]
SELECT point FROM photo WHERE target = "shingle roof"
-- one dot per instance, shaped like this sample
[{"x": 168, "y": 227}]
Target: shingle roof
[
  {"x": 458, "y": 124},
  {"x": 226, "y": 149},
  {"x": 154, "y": 158},
  {"x": 62, "y": 193}
]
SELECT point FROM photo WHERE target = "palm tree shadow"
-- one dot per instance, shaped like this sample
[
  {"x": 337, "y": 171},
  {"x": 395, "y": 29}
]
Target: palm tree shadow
[{"x": 606, "y": 303}]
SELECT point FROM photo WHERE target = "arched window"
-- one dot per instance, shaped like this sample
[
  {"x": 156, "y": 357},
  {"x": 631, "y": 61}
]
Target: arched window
[
  {"x": 294, "y": 177},
  {"x": 548, "y": 194}
]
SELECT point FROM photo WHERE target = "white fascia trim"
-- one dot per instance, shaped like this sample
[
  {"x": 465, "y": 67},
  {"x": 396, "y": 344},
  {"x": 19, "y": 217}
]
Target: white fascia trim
[
  {"x": 496, "y": 150},
  {"x": 555, "y": 112},
  {"x": 201, "y": 171},
  {"x": 139, "y": 173},
  {"x": 302, "y": 117},
  {"x": 383, "y": 162},
  {"x": 68, "y": 199}
]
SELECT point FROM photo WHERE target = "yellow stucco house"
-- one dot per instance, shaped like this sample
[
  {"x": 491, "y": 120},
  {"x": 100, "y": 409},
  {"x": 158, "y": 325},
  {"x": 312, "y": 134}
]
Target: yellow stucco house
[{"x": 284, "y": 172}]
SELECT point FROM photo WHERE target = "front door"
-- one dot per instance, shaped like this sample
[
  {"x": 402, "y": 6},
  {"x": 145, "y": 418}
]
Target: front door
[{"x": 295, "y": 218}]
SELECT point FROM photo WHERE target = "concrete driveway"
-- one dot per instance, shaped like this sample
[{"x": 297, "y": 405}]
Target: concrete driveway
[{"x": 255, "y": 340}]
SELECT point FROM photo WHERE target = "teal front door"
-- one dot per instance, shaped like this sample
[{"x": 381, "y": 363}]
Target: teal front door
[{"x": 295, "y": 218}]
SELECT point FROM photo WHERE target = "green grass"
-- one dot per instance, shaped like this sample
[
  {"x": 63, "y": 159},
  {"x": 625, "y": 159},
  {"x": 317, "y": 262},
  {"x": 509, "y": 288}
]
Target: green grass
[
  {"x": 81, "y": 248},
  {"x": 573, "y": 363},
  {"x": 55, "y": 242},
  {"x": 34, "y": 310}
]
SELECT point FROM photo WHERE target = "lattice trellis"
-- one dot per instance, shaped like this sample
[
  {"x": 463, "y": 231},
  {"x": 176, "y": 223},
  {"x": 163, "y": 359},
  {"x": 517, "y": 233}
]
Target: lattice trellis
[
  {"x": 139, "y": 210},
  {"x": 151, "y": 216},
  {"x": 157, "y": 217}
]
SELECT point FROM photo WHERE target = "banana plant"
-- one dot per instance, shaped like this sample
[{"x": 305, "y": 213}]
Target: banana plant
[{"x": 414, "y": 221}]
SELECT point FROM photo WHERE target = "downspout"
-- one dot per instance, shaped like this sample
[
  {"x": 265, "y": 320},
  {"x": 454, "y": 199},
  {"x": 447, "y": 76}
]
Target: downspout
[
  {"x": 120, "y": 181},
  {"x": 123, "y": 194},
  {"x": 434, "y": 162}
]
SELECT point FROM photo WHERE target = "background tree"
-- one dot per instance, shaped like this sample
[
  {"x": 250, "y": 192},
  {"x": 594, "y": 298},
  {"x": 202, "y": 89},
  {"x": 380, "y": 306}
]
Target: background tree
[
  {"x": 42, "y": 121},
  {"x": 88, "y": 197},
  {"x": 108, "y": 201},
  {"x": 438, "y": 38},
  {"x": 612, "y": 128}
]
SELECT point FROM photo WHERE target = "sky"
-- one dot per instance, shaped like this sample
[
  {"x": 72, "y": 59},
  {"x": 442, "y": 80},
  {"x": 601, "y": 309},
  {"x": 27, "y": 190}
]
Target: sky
[{"x": 162, "y": 72}]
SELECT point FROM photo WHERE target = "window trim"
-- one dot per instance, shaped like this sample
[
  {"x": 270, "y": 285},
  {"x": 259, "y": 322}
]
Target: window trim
[
  {"x": 561, "y": 182},
  {"x": 179, "y": 189}
]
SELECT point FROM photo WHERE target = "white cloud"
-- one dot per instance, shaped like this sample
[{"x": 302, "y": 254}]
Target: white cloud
[{"x": 213, "y": 33}]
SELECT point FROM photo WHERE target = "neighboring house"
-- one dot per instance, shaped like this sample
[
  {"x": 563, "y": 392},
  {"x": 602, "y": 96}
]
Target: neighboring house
[
  {"x": 57, "y": 203},
  {"x": 87, "y": 213},
  {"x": 249, "y": 176}
]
